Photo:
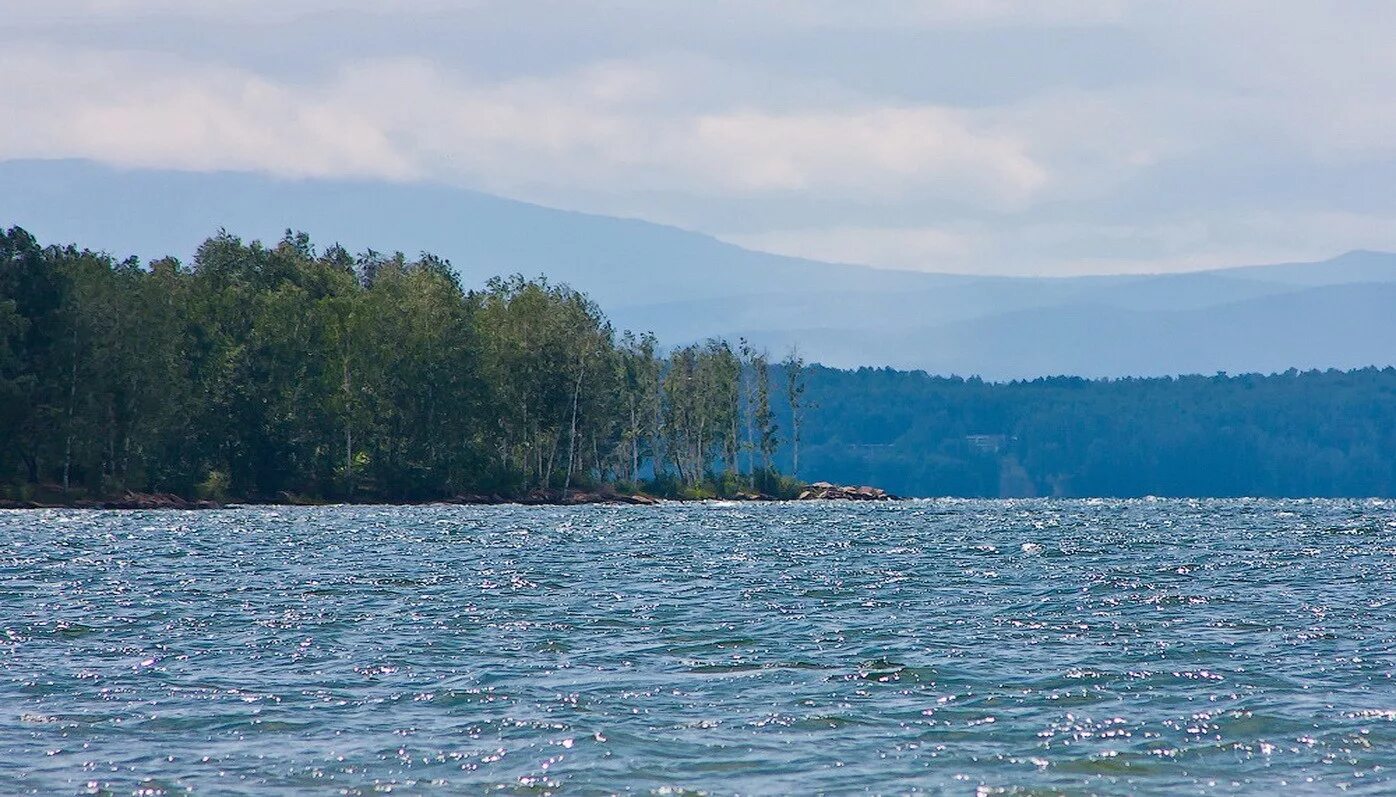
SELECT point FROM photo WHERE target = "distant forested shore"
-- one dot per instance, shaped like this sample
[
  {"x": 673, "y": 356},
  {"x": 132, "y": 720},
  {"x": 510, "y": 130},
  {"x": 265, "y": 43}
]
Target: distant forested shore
[
  {"x": 1326, "y": 433},
  {"x": 288, "y": 373}
]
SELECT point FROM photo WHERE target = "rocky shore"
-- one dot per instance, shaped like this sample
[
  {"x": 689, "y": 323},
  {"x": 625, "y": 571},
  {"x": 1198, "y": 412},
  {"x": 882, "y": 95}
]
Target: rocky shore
[
  {"x": 824, "y": 491},
  {"x": 557, "y": 498},
  {"x": 818, "y": 491},
  {"x": 127, "y": 501}
]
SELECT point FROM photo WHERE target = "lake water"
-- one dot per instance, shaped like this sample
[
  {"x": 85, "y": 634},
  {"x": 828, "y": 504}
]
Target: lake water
[{"x": 954, "y": 647}]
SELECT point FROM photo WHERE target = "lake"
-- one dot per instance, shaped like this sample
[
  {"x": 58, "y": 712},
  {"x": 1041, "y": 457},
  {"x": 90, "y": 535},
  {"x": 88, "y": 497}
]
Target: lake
[{"x": 956, "y": 647}]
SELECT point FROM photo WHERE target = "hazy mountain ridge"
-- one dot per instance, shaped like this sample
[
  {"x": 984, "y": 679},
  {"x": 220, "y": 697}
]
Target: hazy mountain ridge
[
  {"x": 686, "y": 286},
  {"x": 1359, "y": 265},
  {"x": 1340, "y": 326},
  {"x": 617, "y": 261}
]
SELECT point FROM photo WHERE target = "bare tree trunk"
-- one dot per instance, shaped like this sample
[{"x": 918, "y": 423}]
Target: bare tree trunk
[
  {"x": 540, "y": 466},
  {"x": 634, "y": 443},
  {"x": 348, "y": 432},
  {"x": 111, "y": 439},
  {"x": 552, "y": 460},
  {"x": 72, "y": 409},
  {"x": 602, "y": 472},
  {"x": 349, "y": 458},
  {"x": 572, "y": 438},
  {"x": 795, "y": 445},
  {"x": 750, "y": 435}
]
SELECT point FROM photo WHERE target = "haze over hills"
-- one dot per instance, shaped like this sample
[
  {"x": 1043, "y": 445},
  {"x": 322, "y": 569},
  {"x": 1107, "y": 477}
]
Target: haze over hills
[
  {"x": 1337, "y": 326},
  {"x": 619, "y": 262},
  {"x": 685, "y": 286}
]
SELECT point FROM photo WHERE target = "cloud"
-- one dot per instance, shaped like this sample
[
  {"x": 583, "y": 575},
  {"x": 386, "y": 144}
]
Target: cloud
[
  {"x": 875, "y": 15},
  {"x": 67, "y": 11},
  {"x": 407, "y": 119},
  {"x": 1013, "y": 135},
  {"x": 1063, "y": 248},
  {"x": 885, "y": 151},
  {"x": 867, "y": 15},
  {"x": 138, "y": 110}
]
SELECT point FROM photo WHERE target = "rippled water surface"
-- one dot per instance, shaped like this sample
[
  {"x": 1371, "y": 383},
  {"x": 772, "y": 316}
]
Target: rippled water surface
[{"x": 946, "y": 647}]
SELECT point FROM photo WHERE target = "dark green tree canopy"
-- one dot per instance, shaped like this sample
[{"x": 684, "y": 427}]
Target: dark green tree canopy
[{"x": 261, "y": 371}]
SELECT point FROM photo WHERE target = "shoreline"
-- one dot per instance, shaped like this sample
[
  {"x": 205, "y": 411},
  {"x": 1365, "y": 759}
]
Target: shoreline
[{"x": 818, "y": 491}]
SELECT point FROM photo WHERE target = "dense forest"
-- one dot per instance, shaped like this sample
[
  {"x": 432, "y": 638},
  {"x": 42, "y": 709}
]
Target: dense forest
[
  {"x": 287, "y": 372},
  {"x": 1314, "y": 433}
]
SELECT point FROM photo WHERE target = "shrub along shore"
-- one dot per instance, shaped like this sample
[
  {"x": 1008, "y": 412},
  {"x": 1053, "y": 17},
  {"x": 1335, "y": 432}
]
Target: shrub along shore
[{"x": 291, "y": 374}]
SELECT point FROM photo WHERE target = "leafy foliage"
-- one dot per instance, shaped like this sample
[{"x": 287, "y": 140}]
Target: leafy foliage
[{"x": 260, "y": 372}]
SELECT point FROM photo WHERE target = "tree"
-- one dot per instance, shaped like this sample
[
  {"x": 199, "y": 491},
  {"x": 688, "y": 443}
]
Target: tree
[
  {"x": 794, "y": 366},
  {"x": 260, "y": 371},
  {"x": 764, "y": 418}
]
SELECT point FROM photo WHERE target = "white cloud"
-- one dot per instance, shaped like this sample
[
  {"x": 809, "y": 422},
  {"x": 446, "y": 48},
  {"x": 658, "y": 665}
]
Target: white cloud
[
  {"x": 882, "y": 151},
  {"x": 67, "y": 11},
  {"x": 137, "y": 110},
  {"x": 836, "y": 14},
  {"x": 903, "y": 14},
  {"x": 405, "y": 118},
  {"x": 1084, "y": 248},
  {"x": 701, "y": 113}
]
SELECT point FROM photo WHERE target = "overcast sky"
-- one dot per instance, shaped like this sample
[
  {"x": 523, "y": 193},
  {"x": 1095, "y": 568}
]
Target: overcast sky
[{"x": 1081, "y": 136}]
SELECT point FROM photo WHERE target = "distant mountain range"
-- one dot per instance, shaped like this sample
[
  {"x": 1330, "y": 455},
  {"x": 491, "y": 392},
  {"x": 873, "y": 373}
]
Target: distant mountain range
[{"x": 686, "y": 286}]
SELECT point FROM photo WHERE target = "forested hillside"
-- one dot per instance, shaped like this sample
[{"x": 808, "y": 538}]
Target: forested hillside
[
  {"x": 286, "y": 372},
  {"x": 1314, "y": 433}
]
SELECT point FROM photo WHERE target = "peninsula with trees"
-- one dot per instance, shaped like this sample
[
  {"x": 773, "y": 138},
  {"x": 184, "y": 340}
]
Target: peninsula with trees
[{"x": 288, "y": 373}]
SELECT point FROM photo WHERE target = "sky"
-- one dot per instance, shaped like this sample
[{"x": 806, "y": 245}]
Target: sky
[{"x": 995, "y": 137}]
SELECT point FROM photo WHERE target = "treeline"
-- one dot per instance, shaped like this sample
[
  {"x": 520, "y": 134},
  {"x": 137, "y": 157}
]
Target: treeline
[
  {"x": 257, "y": 372},
  {"x": 1300, "y": 434},
  {"x": 260, "y": 371}
]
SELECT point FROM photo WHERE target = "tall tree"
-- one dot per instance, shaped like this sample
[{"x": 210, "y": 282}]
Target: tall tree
[{"x": 794, "y": 366}]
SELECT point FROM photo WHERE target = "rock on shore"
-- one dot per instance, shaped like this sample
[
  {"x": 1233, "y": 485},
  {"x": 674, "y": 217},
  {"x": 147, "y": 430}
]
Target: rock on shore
[
  {"x": 148, "y": 501},
  {"x": 557, "y": 498},
  {"x": 824, "y": 491}
]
